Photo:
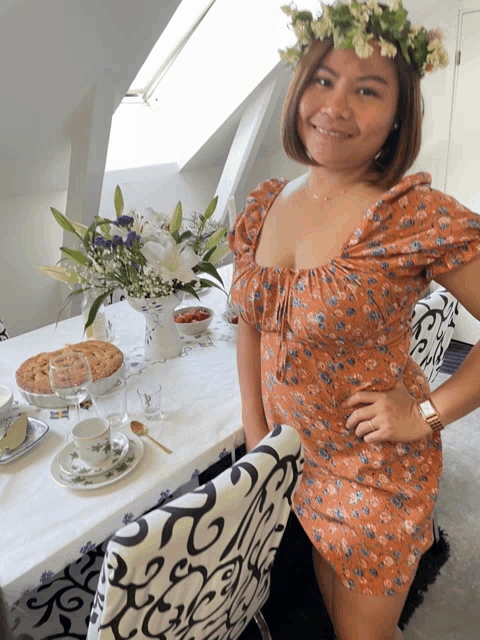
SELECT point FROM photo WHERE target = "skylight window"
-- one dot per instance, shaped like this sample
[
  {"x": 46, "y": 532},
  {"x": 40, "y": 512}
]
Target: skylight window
[{"x": 183, "y": 24}]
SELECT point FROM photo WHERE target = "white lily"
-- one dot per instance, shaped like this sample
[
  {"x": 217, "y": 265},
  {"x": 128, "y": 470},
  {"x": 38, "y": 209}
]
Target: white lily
[
  {"x": 158, "y": 221},
  {"x": 175, "y": 260}
]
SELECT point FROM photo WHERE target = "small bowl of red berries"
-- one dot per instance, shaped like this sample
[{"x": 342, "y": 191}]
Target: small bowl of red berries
[{"x": 193, "y": 320}]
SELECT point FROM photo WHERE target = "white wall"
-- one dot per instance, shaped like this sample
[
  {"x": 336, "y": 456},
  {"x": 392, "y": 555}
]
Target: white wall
[
  {"x": 53, "y": 55},
  {"x": 160, "y": 187}
]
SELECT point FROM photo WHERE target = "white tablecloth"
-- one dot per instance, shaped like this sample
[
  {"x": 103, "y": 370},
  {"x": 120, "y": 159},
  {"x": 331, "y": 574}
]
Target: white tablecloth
[{"x": 45, "y": 526}]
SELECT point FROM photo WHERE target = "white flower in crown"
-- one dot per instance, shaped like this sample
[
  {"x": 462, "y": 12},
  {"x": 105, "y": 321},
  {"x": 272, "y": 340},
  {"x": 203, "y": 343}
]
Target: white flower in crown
[
  {"x": 387, "y": 49},
  {"x": 393, "y": 4},
  {"x": 361, "y": 46},
  {"x": 375, "y": 9},
  {"x": 412, "y": 34},
  {"x": 289, "y": 10},
  {"x": 290, "y": 56},
  {"x": 301, "y": 31},
  {"x": 435, "y": 34},
  {"x": 360, "y": 13},
  {"x": 322, "y": 28}
]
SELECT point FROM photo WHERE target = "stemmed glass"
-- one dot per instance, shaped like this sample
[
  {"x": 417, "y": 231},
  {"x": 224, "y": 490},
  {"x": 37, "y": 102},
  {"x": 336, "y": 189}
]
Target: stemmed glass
[{"x": 71, "y": 378}]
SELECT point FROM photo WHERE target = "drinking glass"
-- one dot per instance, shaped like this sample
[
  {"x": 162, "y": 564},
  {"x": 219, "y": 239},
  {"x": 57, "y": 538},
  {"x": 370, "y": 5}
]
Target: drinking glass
[
  {"x": 71, "y": 378},
  {"x": 149, "y": 394}
]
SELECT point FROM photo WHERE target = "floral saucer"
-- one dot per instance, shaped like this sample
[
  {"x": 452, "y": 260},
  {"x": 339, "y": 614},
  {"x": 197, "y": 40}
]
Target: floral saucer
[
  {"x": 87, "y": 483},
  {"x": 71, "y": 463}
]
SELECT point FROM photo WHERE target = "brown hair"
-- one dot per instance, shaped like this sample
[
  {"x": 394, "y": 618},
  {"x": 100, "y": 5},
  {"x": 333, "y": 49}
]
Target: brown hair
[{"x": 401, "y": 146}]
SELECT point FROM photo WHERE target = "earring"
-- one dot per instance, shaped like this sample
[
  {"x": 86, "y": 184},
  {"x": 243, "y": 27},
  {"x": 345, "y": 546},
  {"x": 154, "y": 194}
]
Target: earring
[
  {"x": 395, "y": 126},
  {"x": 309, "y": 155}
]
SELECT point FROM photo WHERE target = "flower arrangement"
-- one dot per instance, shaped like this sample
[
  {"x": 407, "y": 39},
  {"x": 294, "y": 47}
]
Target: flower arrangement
[
  {"x": 352, "y": 25},
  {"x": 149, "y": 258}
]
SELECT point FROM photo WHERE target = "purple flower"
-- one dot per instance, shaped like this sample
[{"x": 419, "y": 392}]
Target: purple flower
[
  {"x": 134, "y": 264},
  {"x": 128, "y": 517},
  {"x": 164, "y": 496},
  {"x": 131, "y": 238},
  {"x": 100, "y": 241},
  {"x": 123, "y": 221},
  {"x": 117, "y": 241},
  {"x": 90, "y": 546},
  {"x": 45, "y": 577}
]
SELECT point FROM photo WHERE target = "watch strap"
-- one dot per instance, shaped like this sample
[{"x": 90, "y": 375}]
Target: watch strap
[{"x": 434, "y": 420}]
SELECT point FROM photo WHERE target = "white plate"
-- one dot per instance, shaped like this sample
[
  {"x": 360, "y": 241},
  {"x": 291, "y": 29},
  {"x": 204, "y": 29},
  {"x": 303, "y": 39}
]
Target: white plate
[
  {"x": 51, "y": 401},
  {"x": 84, "y": 483},
  {"x": 36, "y": 429},
  {"x": 71, "y": 464}
]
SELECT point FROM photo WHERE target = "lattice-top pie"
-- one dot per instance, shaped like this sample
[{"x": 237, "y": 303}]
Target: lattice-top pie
[{"x": 104, "y": 359}]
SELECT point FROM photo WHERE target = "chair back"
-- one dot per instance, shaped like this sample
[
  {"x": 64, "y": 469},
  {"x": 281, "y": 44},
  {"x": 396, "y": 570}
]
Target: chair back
[
  {"x": 3, "y": 331},
  {"x": 434, "y": 320},
  {"x": 199, "y": 567}
]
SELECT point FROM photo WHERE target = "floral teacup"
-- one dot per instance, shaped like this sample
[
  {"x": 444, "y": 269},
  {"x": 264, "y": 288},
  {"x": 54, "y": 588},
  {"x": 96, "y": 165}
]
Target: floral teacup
[{"x": 91, "y": 438}]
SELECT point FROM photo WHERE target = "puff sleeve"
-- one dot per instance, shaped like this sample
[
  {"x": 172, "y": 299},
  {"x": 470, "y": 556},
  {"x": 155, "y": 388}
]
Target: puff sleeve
[
  {"x": 242, "y": 238},
  {"x": 452, "y": 236}
]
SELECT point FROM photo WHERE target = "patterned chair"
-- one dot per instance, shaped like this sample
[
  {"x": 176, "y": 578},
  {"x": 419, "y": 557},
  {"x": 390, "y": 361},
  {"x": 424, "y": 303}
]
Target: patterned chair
[
  {"x": 197, "y": 567},
  {"x": 434, "y": 320},
  {"x": 3, "y": 331}
]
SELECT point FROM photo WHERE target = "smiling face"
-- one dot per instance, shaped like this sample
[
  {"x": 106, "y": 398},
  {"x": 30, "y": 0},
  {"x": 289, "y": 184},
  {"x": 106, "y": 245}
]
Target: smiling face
[{"x": 348, "y": 110}]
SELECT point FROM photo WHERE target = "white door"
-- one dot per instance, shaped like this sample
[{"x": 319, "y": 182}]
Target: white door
[{"x": 463, "y": 164}]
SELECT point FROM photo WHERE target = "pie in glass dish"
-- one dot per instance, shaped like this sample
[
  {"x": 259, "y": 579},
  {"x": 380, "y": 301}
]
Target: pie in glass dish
[{"x": 106, "y": 363}]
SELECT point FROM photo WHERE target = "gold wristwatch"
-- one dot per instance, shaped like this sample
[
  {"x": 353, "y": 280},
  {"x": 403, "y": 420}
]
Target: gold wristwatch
[{"x": 430, "y": 415}]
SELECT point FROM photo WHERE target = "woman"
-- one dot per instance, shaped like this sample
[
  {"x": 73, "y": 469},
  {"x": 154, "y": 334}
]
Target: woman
[{"x": 328, "y": 269}]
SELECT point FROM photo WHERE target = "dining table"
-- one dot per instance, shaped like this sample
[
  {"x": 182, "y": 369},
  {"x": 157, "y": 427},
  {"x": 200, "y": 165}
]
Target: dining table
[{"x": 46, "y": 526}]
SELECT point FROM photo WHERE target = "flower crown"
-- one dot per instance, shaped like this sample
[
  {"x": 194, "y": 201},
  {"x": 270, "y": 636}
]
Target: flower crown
[{"x": 352, "y": 25}]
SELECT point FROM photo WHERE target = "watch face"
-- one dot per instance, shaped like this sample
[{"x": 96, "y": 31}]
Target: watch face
[{"x": 427, "y": 408}]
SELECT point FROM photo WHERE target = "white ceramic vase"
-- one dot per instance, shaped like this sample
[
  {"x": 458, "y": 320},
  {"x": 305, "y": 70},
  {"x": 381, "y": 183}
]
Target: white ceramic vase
[{"x": 162, "y": 340}]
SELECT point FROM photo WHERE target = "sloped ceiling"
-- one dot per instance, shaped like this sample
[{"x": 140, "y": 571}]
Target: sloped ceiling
[
  {"x": 215, "y": 150},
  {"x": 217, "y": 70},
  {"x": 53, "y": 52}
]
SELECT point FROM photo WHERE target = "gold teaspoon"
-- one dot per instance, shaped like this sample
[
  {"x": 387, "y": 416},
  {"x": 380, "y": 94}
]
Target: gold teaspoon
[{"x": 140, "y": 429}]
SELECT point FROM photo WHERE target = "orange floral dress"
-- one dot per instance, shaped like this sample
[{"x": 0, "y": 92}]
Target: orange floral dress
[{"x": 343, "y": 327}]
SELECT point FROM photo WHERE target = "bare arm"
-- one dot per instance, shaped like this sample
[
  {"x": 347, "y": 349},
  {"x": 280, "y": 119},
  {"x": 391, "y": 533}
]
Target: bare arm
[
  {"x": 460, "y": 394},
  {"x": 248, "y": 364}
]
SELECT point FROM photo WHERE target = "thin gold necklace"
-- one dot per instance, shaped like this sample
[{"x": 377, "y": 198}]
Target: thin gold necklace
[{"x": 327, "y": 198}]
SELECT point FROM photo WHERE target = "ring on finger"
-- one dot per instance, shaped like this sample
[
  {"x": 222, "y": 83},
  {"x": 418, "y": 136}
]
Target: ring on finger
[{"x": 372, "y": 428}]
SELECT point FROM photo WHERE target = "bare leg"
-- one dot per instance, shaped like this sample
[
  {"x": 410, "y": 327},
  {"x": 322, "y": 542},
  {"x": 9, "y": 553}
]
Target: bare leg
[
  {"x": 357, "y": 616},
  {"x": 324, "y": 574}
]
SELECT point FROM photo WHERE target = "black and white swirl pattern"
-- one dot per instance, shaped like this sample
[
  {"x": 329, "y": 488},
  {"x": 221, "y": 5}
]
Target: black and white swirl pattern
[
  {"x": 199, "y": 567},
  {"x": 434, "y": 320},
  {"x": 3, "y": 331}
]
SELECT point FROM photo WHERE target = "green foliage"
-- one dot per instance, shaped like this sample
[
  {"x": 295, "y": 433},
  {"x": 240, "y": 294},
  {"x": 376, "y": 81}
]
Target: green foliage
[
  {"x": 96, "y": 306},
  {"x": 118, "y": 201},
  {"x": 176, "y": 221},
  {"x": 76, "y": 256},
  {"x": 215, "y": 239}
]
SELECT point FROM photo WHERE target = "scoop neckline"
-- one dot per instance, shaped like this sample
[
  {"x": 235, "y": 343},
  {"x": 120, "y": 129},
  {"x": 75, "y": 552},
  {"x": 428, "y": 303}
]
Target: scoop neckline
[{"x": 412, "y": 180}]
